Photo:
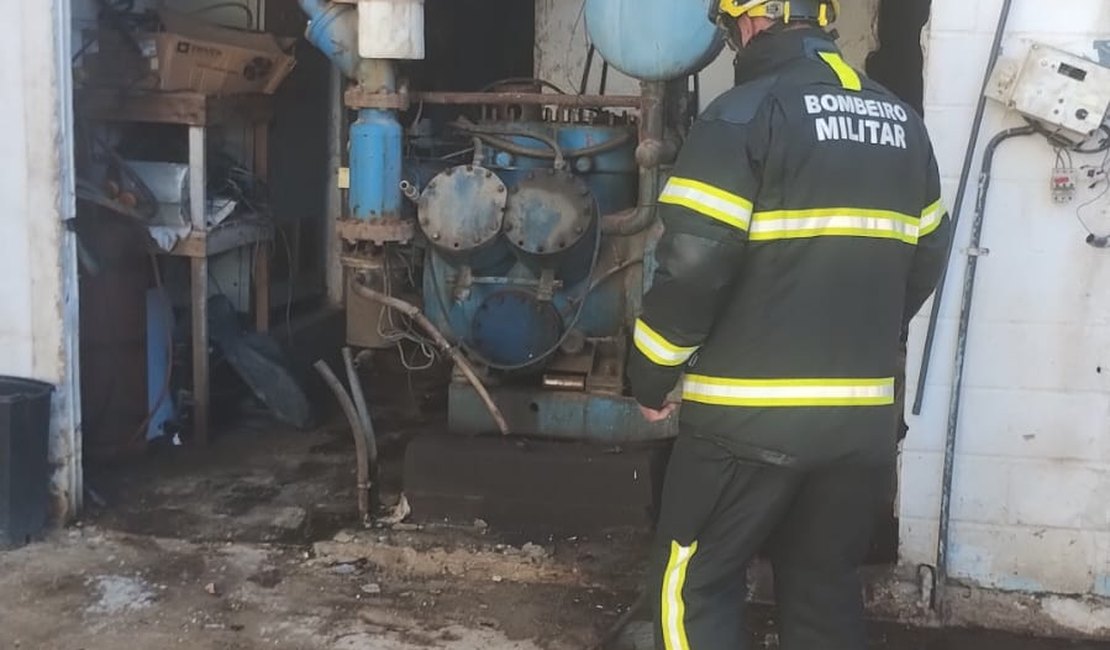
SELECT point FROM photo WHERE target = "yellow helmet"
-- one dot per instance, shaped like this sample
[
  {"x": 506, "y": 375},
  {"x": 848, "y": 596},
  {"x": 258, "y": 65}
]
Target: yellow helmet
[{"x": 822, "y": 12}]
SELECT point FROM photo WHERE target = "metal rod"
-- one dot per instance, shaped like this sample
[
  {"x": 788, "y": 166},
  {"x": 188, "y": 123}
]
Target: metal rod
[
  {"x": 537, "y": 99},
  {"x": 362, "y": 463},
  {"x": 973, "y": 252},
  {"x": 586, "y": 70},
  {"x": 652, "y": 123},
  {"x": 463, "y": 364},
  {"x": 965, "y": 176},
  {"x": 199, "y": 303}
]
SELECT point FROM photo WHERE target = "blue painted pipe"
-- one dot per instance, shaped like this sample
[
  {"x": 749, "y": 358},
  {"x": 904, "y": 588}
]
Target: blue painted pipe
[
  {"x": 333, "y": 28},
  {"x": 375, "y": 139},
  {"x": 375, "y": 165}
]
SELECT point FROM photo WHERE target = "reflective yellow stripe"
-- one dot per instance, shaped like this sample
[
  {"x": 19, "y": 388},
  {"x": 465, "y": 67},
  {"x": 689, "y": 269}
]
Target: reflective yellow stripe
[
  {"x": 721, "y": 391},
  {"x": 657, "y": 348},
  {"x": 834, "y": 222},
  {"x": 931, "y": 218},
  {"x": 674, "y": 608},
  {"x": 710, "y": 201},
  {"x": 849, "y": 78}
]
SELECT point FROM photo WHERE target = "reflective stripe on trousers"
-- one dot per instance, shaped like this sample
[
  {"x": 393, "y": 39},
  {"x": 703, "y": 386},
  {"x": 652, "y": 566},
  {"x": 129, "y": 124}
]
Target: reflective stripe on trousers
[{"x": 673, "y": 605}]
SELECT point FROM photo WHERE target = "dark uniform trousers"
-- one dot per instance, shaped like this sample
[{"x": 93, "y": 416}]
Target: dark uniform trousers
[{"x": 719, "y": 510}]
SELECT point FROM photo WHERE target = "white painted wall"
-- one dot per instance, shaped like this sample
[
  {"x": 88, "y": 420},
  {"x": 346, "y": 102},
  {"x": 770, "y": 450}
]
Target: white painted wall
[
  {"x": 1032, "y": 490},
  {"x": 38, "y": 292},
  {"x": 561, "y": 46}
]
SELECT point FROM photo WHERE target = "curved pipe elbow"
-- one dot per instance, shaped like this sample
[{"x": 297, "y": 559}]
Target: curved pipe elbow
[
  {"x": 333, "y": 29},
  {"x": 640, "y": 218}
]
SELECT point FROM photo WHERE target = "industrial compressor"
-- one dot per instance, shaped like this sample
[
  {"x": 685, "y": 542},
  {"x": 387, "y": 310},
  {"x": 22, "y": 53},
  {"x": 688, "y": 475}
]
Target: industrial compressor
[{"x": 524, "y": 225}]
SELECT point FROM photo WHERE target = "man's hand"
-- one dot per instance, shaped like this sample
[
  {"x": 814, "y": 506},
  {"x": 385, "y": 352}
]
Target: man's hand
[{"x": 653, "y": 415}]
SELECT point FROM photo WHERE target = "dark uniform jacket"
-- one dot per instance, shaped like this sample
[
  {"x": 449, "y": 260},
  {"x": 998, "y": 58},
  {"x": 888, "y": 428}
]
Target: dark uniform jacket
[{"x": 804, "y": 228}]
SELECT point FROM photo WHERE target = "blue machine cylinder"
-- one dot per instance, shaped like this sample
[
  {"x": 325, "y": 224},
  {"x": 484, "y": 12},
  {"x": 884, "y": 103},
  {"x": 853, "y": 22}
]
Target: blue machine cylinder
[
  {"x": 375, "y": 142},
  {"x": 611, "y": 175},
  {"x": 654, "y": 40}
]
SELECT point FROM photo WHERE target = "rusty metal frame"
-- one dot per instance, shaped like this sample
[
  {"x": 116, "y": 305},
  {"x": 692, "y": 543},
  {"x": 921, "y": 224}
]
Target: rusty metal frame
[
  {"x": 356, "y": 97},
  {"x": 377, "y": 232}
]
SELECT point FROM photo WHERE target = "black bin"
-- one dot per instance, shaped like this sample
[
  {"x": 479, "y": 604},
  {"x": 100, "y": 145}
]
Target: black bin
[{"x": 24, "y": 465}]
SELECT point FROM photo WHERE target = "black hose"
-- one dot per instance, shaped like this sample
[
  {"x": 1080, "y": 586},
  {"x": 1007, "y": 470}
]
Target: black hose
[
  {"x": 973, "y": 254},
  {"x": 965, "y": 175},
  {"x": 491, "y": 135},
  {"x": 358, "y": 397},
  {"x": 362, "y": 461}
]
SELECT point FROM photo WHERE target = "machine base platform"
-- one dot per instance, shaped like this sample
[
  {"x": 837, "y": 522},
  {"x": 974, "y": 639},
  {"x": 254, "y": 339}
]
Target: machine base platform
[
  {"x": 561, "y": 415},
  {"x": 538, "y": 488}
]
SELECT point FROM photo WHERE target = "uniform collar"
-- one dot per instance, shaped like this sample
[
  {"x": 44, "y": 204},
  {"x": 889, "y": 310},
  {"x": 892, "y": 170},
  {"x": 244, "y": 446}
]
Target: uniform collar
[{"x": 772, "y": 50}]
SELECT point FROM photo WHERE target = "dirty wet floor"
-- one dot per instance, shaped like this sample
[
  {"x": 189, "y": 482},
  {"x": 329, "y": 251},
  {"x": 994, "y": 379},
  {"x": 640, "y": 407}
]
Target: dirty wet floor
[{"x": 253, "y": 543}]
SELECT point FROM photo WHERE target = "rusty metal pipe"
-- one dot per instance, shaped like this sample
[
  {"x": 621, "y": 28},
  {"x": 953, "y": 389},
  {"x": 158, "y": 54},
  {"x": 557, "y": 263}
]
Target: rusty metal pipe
[
  {"x": 652, "y": 113},
  {"x": 413, "y": 312},
  {"x": 362, "y": 464},
  {"x": 527, "y": 99}
]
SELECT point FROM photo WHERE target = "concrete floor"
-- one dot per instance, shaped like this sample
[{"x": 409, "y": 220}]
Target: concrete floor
[{"x": 253, "y": 544}]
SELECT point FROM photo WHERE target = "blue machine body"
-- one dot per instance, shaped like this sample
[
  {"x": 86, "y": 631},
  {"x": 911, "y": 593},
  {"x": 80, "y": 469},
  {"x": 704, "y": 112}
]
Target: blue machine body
[
  {"x": 546, "y": 305},
  {"x": 502, "y": 314}
]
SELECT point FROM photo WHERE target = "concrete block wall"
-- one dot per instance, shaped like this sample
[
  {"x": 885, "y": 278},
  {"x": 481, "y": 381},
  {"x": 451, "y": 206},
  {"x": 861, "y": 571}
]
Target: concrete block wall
[{"x": 1031, "y": 505}]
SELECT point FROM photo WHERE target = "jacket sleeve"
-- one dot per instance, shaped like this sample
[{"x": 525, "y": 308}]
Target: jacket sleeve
[
  {"x": 706, "y": 208},
  {"x": 934, "y": 243}
]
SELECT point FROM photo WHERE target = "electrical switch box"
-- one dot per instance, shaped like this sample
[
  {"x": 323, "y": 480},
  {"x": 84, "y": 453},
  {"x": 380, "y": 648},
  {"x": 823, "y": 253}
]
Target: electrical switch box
[
  {"x": 1059, "y": 89},
  {"x": 1063, "y": 182}
]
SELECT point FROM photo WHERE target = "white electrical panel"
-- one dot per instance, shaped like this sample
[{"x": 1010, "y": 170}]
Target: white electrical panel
[{"x": 1056, "y": 88}]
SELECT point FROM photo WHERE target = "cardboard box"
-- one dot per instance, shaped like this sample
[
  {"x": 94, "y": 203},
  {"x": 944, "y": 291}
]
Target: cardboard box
[{"x": 191, "y": 55}]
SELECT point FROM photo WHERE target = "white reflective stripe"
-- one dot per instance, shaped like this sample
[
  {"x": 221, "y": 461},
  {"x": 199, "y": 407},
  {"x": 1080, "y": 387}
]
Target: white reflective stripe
[
  {"x": 658, "y": 349},
  {"x": 767, "y": 226},
  {"x": 788, "y": 392},
  {"x": 710, "y": 201},
  {"x": 673, "y": 606},
  {"x": 931, "y": 218}
]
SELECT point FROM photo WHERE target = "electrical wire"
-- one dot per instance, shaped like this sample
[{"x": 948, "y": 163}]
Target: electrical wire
[
  {"x": 1103, "y": 146},
  {"x": 1093, "y": 238},
  {"x": 289, "y": 286}
]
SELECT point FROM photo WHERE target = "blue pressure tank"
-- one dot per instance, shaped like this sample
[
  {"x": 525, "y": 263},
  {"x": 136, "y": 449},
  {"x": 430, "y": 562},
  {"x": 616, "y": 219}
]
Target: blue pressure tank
[{"x": 654, "y": 40}]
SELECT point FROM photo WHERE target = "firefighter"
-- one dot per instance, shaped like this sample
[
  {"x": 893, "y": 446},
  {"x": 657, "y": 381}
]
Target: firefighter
[{"x": 803, "y": 230}]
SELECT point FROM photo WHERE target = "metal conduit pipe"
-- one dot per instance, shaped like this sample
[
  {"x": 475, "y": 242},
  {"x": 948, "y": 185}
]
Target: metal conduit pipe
[
  {"x": 362, "y": 460},
  {"x": 651, "y": 153},
  {"x": 965, "y": 175},
  {"x": 973, "y": 253}
]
